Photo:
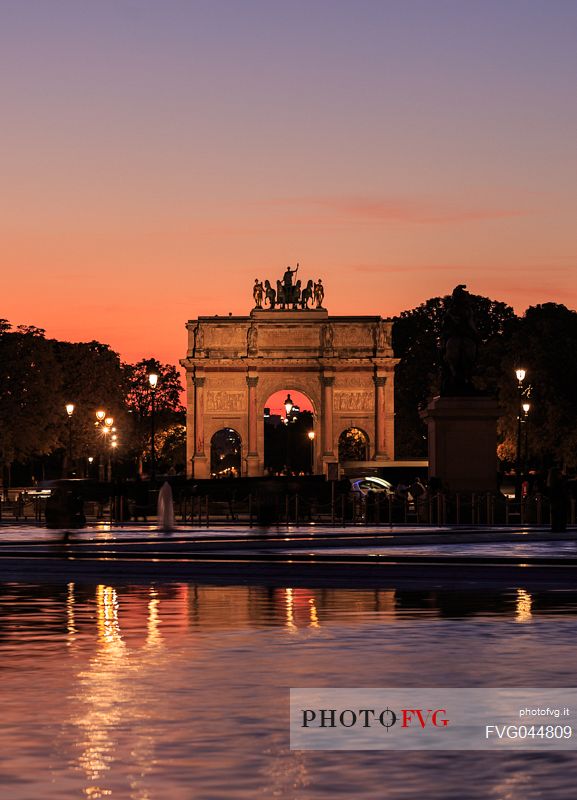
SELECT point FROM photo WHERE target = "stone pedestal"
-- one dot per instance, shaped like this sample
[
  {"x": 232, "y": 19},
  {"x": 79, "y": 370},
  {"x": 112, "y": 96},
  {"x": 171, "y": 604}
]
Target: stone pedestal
[
  {"x": 253, "y": 465},
  {"x": 463, "y": 442},
  {"x": 200, "y": 467}
]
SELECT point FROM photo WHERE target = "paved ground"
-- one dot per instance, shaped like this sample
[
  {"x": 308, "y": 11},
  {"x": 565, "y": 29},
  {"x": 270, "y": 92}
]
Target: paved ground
[
  {"x": 363, "y": 539},
  {"x": 419, "y": 557}
]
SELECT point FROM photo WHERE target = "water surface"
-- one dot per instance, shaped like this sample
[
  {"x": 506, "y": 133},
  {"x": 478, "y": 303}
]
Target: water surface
[{"x": 181, "y": 691}]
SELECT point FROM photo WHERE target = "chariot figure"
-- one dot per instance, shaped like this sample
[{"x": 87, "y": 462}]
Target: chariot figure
[
  {"x": 296, "y": 294},
  {"x": 288, "y": 282},
  {"x": 319, "y": 293}
]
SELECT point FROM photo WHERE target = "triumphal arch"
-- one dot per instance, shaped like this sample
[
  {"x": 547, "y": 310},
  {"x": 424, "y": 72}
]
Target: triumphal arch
[{"x": 343, "y": 364}]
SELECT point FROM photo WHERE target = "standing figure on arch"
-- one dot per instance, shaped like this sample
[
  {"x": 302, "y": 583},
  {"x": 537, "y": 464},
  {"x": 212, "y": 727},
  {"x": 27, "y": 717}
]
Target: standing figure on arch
[
  {"x": 288, "y": 284},
  {"x": 257, "y": 293}
]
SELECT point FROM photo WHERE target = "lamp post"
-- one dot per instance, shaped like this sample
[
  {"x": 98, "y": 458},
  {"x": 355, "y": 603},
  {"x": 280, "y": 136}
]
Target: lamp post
[
  {"x": 104, "y": 424},
  {"x": 100, "y": 415},
  {"x": 153, "y": 381},
  {"x": 288, "y": 405},
  {"x": 520, "y": 373},
  {"x": 70, "y": 411},
  {"x": 311, "y": 435},
  {"x": 526, "y": 409},
  {"x": 107, "y": 431}
]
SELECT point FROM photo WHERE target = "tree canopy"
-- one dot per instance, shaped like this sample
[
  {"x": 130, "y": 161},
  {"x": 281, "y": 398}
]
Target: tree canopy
[
  {"x": 30, "y": 394},
  {"x": 416, "y": 341},
  {"x": 40, "y": 376},
  {"x": 544, "y": 343}
]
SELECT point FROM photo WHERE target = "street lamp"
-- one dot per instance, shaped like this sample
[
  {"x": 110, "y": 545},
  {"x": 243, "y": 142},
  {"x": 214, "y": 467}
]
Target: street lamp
[
  {"x": 107, "y": 431},
  {"x": 311, "y": 435},
  {"x": 104, "y": 423},
  {"x": 70, "y": 411},
  {"x": 520, "y": 373},
  {"x": 152, "y": 380},
  {"x": 291, "y": 411}
]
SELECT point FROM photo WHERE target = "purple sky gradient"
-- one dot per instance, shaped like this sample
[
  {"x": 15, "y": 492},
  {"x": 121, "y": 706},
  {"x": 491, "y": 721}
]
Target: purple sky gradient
[{"x": 158, "y": 156}]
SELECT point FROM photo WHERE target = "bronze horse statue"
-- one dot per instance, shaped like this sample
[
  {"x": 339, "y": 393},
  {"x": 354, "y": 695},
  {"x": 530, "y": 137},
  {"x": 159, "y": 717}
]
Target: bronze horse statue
[
  {"x": 269, "y": 294},
  {"x": 307, "y": 294},
  {"x": 460, "y": 344}
]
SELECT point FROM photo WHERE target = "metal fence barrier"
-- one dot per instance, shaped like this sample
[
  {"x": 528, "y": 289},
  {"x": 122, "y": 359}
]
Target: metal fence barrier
[{"x": 342, "y": 510}]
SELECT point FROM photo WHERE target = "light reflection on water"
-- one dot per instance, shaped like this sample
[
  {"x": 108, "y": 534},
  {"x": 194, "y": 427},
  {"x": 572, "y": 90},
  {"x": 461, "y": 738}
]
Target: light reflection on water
[{"x": 181, "y": 691}]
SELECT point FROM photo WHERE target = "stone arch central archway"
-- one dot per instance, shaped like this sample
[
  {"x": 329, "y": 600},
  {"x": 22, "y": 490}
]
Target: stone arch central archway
[{"x": 288, "y": 430}]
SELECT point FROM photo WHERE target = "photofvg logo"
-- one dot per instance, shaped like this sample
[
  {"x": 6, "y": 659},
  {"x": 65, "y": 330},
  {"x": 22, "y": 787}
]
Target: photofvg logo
[
  {"x": 415, "y": 718},
  {"x": 432, "y": 719}
]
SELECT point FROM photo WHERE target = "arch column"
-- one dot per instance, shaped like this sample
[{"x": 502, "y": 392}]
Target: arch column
[
  {"x": 380, "y": 427},
  {"x": 328, "y": 382},
  {"x": 252, "y": 456},
  {"x": 201, "y": 465},
  {"x": 389, "y": 415}
]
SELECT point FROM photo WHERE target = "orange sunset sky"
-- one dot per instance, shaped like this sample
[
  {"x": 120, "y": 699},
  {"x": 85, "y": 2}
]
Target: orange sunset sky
[{"x": 158, "y": 156}]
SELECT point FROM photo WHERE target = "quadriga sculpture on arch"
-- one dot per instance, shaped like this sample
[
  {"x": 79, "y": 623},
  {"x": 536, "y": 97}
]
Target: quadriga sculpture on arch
[{"x": 289, "y": 293}]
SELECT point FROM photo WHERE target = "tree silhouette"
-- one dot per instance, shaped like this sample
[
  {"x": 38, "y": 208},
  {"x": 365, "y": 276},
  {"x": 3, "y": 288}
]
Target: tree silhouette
[{"x": 416, "y": 341}]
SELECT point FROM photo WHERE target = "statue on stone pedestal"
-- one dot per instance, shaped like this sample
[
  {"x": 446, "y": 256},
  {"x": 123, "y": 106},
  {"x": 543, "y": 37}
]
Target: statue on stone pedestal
[
  {"x": 327, "y": 338},
  {"x": 257, "y": 293},
  {"x": 381, "y": 336},
  {"x": 251, "y": 340},
  {"x": 198, "y": 339},
  {"x": 460, "y": 340},
  {"x": 319, "y": 293}
]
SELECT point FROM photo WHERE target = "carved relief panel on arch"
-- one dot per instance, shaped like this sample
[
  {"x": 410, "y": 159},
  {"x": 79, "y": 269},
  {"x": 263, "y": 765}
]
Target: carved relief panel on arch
[{"x": 353, "y": 401}]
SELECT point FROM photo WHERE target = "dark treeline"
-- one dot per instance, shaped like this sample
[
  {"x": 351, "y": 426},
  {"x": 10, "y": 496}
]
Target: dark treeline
[
  {"x": 39, "y": 376},
  {"x": 543, "y": 341}
]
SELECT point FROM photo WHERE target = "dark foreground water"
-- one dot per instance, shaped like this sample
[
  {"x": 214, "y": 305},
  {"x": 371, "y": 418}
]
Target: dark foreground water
[{"x": 181, "y": 691}]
